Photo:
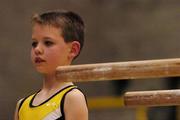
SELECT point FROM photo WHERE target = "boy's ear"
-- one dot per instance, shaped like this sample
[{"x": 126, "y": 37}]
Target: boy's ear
[{"x": 74, "y": 49}]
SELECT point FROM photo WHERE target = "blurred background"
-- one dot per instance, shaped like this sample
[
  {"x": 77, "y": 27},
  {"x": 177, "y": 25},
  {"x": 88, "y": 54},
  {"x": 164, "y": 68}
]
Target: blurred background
[{"x": 116, "y": 31}]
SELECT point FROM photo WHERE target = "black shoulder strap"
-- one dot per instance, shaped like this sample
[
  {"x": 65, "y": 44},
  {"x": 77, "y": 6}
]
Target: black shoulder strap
[{"x": 21, "y": 102}]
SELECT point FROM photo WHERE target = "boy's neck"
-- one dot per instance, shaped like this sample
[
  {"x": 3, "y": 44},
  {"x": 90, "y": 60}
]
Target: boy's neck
[{"x": 50, "y": 82}]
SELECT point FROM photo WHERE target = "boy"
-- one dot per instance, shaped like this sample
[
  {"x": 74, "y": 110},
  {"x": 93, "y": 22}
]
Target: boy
[{"x": 57, "y": 39}]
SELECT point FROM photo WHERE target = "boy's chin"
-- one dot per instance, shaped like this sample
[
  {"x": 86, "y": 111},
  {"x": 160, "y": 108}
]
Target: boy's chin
[{"x": 44, "y": 71}]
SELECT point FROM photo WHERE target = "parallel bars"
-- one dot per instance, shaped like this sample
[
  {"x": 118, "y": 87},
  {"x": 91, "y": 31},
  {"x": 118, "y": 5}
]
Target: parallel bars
[{"x": 129, "y": 70}]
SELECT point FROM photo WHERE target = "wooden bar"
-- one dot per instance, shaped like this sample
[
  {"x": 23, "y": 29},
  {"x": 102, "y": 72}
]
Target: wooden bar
[
  {"x": 152, "y": 98},
  {"x": 120, "y": 70}
]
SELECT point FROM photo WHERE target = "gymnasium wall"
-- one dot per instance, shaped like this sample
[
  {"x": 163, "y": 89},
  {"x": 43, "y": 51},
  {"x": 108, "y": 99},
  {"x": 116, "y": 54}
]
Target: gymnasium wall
[{"x": 116, "y": 30}]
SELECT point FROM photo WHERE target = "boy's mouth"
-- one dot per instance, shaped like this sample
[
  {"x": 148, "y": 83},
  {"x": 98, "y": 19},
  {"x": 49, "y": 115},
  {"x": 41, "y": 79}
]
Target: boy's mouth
[{"x": 39, "y": 60}]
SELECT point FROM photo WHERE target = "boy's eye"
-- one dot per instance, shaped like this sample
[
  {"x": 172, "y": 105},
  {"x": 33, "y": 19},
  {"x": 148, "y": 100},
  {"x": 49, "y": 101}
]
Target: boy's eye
[
  {"x": 34, "y": 44},
  {"x": 48, "y": 43}
]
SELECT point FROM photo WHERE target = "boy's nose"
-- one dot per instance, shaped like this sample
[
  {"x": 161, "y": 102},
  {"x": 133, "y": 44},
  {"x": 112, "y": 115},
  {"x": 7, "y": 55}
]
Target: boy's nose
[{"x": 38, "y": 50}]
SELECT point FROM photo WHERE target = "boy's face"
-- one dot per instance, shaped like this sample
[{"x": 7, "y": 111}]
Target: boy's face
[{"x": 49, "y": 49}]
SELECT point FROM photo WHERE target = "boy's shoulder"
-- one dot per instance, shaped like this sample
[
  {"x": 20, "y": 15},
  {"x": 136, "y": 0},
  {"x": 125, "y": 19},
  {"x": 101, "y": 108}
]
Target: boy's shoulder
[
  {"x": 75, "y": 93},
  {"x": 76, "y": 105},
  {"x": 75, "y": 98}
]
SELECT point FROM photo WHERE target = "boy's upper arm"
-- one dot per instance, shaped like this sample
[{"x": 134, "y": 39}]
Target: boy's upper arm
[
  {"x": 17, "y": 109},
  {"x": 75, "y": 106}
]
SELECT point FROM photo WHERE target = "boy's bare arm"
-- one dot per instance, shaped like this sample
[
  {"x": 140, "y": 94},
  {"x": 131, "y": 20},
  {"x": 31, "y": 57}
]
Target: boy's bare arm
[{"x": 75, "y": 106}]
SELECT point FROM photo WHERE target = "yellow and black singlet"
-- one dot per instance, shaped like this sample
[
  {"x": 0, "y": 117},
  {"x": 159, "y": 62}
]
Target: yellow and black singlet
[{"x": 51, "y": 109}]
